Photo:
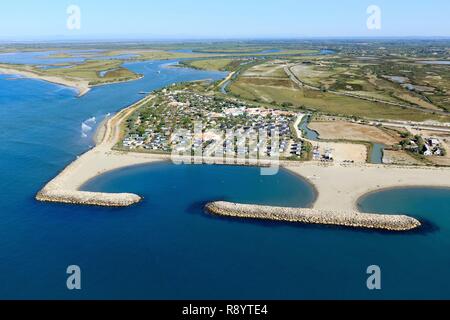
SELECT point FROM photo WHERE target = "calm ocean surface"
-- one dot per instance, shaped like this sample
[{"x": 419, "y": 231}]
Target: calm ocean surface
[{"x": 167, "y": 247}]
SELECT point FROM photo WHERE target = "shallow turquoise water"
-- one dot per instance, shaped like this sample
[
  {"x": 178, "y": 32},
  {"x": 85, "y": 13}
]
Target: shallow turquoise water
[{"x": 167, "y": 247}]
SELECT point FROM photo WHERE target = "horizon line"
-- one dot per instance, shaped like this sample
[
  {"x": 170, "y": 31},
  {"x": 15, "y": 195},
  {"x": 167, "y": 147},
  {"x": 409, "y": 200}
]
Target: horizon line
[{"x": 62, "y": 39}]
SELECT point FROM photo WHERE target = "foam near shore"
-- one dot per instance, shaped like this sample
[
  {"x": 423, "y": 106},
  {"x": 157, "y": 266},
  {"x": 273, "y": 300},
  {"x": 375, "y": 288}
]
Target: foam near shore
[
  {"x": 65, "y": 188},
  {"x": 352, "y": 219}
]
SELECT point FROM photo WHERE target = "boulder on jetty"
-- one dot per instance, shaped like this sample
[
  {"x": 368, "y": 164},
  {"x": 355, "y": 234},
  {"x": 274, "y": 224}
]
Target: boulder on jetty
[
  {"x": 89, "y": 198},
  {"x": 353, "y": 219}
]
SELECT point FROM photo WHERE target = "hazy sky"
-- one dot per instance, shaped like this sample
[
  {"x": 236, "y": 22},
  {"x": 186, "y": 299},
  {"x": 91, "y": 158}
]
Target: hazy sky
[{"x": 28, "y": 19}]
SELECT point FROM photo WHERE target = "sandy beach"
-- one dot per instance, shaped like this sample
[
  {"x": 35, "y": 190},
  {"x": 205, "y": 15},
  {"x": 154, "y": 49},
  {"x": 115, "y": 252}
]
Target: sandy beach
[
  {"x": 81, "y": 86},
  {"x": 340, "y": 186}
]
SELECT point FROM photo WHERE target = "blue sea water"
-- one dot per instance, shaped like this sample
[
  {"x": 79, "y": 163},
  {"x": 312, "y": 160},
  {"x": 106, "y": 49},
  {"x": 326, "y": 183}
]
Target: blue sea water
[{"x": 167, "y": 247}]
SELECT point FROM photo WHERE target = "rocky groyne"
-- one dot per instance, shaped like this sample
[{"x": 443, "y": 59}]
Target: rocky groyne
[
  {"x": 89, "y": 198},
  {"x": 351, "y": 219}
]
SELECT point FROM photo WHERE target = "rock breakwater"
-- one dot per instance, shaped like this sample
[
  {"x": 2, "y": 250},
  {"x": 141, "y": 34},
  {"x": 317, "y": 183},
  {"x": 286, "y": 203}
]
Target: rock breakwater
[
  {"x": 89, "y": 198},
  {"x": 351, "y": 219}
]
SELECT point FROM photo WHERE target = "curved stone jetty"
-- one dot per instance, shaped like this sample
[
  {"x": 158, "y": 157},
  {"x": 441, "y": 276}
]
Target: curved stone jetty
[
  {"x": 352, "y": 219},
  {"x": 65, "y": 188},
  {"x": 89, "y": 198}
]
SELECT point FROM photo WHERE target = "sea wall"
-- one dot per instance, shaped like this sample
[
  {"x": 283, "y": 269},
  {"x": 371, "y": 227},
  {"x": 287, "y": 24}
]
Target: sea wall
[
  {"x": 89, "y": 198},
  {"x": 352, "y": 219}
]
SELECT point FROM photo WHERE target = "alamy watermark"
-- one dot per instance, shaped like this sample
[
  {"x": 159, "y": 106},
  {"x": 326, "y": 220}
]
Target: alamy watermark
[
  {"x": 374, "y": 280},
  {"x": 213, "y": 146},
  {"x": 74, "y": 280},
  {"x": 74, "y": 17},
  {"x": 374, "y": 19}
]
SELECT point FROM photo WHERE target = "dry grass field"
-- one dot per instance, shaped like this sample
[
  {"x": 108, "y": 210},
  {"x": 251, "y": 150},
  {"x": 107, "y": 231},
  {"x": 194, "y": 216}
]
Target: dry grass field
[
  {"x": 400, "y": 158},
  {"x": 269, "y": 83},
  {"x": 341, "y": 130}
]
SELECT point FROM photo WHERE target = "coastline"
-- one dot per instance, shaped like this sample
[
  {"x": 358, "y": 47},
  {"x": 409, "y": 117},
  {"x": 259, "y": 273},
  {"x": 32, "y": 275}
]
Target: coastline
[
  {"x": 116, "y": 82},
  {"x": 100, "y": 132},
  {"x": 368, "y": 194},
  {"x": 338, "y": 186},
  {"x": 65, "y": 188},
  {"x": 82, "y": 86}
]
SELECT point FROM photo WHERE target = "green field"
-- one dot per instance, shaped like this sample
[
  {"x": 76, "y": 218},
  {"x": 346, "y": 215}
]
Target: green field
[
  {"x": 166, "y": 55},
  {"x": 283, "y": 92},
  {"x": 214, "y": 64},
  {"x": 397, "y": 80}
]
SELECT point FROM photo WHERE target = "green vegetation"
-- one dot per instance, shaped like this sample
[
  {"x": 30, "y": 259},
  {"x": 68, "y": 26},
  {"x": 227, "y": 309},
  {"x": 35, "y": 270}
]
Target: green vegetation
[
  {"x": 153, "y": 125},
  {"x": 268, "y": 83},
  {"x": 60, "y": 56},
  {"x": 91, "y": 70},
  {"x": 400, "y": 81},
  {"x": 170, "y": 55},
  {"x": 391, "y": 72},
  {"x": 424, "y": 84},
  {"x": 214, "y": 64},
  {"x": 231, "y": 49}
]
